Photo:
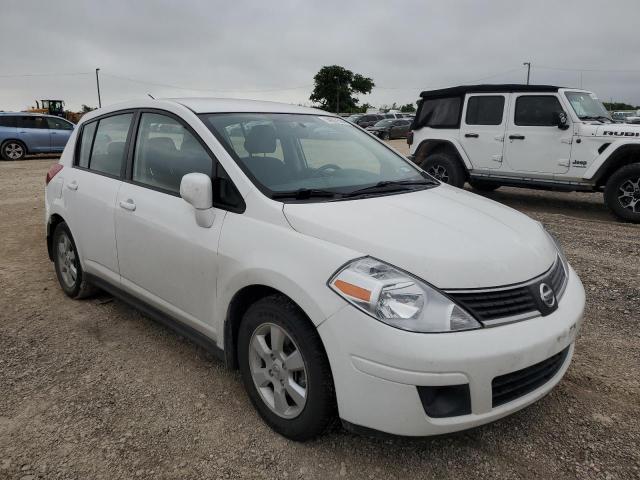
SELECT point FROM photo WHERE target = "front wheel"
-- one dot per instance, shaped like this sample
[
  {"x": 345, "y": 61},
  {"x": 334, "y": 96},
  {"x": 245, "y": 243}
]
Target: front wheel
[
  {"x": 13, "y": 150},
  {"x": 622, "y": 193},
  {"x": 445, "y": 167},
  {"x": 285, "y": 369},
  {"x": 386, "y": 136}
]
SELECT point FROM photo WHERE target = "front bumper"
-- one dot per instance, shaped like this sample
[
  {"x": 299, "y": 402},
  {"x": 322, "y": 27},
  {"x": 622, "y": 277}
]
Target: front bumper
[{"x": 377, "y": 368}]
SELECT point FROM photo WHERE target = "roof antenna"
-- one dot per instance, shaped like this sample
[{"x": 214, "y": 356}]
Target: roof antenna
[{"x": 151, "y": 96}]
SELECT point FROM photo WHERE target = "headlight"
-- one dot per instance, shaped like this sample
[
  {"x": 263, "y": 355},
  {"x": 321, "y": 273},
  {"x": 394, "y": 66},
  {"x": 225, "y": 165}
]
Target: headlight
[
  {"x": 563, "y": 258},
  {"x": 398, "y": 299}
]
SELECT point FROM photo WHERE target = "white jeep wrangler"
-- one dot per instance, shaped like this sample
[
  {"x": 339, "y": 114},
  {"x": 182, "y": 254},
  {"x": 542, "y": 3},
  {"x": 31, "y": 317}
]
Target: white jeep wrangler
[{"x": 533, "y": 136}]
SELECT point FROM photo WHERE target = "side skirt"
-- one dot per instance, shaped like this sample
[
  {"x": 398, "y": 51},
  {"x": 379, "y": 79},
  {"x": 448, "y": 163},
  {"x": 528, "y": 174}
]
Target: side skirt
[
  {"x": 159, "y": 316},
  {"x": 535, "y": 184}
]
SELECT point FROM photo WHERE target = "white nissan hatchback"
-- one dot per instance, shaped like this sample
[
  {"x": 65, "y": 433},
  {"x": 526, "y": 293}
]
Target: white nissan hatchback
[{"x": 341, "y": 279}]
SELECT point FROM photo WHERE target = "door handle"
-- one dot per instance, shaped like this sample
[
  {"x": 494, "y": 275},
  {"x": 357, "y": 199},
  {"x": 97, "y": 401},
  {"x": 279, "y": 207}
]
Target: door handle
[
  {"x": 128, "y": 205},
  {"x": 516, "y": 137},
  {"x": 73, "y": 185},
  {"x": 471, "y": 135}
]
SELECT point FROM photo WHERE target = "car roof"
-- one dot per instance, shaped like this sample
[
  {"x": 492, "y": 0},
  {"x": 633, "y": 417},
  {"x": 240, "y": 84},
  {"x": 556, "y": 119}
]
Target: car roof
[
  {"x": 232, "y": 105},
  {"x": 28, "y": 114},
  {"x": 487, "y": 88}
]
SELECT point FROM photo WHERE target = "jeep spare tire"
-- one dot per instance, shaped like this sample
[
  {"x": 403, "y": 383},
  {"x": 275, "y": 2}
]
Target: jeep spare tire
[{"x": 445, "y": 167}]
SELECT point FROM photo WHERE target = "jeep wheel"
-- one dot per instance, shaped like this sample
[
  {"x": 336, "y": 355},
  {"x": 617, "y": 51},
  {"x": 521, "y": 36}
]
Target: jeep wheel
[
  {"x": 622, "y": 193},
  {"x": 483, "y": 185},
  {"x": 444, "y": 167},
  {"x": 13, "y": 150}
]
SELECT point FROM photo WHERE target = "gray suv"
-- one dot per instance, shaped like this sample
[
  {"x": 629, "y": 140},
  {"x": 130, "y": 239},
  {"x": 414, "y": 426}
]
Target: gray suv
[{"x": 28, "y": 133}]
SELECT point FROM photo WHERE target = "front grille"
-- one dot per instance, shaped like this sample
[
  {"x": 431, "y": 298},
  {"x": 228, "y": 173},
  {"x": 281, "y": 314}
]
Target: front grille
[
  {"x": 510, "y": 386},
  {"x": 516, "y": 302}
]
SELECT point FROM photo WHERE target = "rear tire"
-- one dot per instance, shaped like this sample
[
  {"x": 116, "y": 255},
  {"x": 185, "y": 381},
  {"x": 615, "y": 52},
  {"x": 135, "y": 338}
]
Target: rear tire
[
  {"x": 483, "y": 185},
  {"x": 67, "y": 264},
  {"x": 445, "y": 167},
  {"x": 622, "y": 193},
  {"x": 296, "y": 398},
  {"x": 13, "y": 150}
]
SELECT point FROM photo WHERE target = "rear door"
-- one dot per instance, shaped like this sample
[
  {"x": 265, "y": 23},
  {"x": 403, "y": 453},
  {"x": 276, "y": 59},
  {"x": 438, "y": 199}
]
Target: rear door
[
  {"x": 33, "y": 130},
  {"x": 533, "y": 142},
  {"x": 482, "y": 129},
  {"x": 59, "y": 133},
  {"x": 164, "y": 256},
  {"x": 90, "y": 191}
]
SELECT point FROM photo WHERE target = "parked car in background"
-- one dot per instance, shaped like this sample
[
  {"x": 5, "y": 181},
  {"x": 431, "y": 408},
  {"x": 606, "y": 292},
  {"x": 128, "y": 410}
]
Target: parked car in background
[
  {"x": 368, "y": 119},
  {"x": 391, "y": 128},
  {"x": 626, "y": 116},
  {"x": 533, "y": 136},
  {"x": 338, "y": 277},
  {"x": 28, "y": 133}
]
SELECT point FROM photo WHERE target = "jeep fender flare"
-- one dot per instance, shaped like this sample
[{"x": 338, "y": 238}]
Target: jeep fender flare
[
  {"x": 616, "y": 155},
  {"x": 431, "y": 145}
]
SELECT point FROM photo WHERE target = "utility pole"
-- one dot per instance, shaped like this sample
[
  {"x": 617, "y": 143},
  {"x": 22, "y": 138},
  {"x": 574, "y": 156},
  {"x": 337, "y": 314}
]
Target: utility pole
[
  {"x": 98, "y": 85},
  {"x": 338, "y": 97},
  {"x": 528, "y": 64}
]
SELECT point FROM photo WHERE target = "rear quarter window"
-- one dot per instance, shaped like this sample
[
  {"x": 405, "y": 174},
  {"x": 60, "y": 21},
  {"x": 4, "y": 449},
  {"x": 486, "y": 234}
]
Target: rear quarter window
[{"x": 440, "y": 112}]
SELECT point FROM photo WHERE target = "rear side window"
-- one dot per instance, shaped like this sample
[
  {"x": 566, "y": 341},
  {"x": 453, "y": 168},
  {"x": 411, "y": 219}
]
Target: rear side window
[
  {"x": 8, "y": 121},
  {"x": 537, "y": 111},
  {"x": 58, "y": 124},
  {"x": 110, "y": 139},
  {"x": 88, "y": 132},
  {"x": 165, "y": 152},
  {"x": 440, "y": 112},
  {"x": 485, "y": 110},
  {"x": 32, "y": 122}
]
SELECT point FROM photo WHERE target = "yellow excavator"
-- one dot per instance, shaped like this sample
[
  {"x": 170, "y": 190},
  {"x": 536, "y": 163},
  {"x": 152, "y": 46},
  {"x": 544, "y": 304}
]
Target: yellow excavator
[{"x": 54, "y": 107}]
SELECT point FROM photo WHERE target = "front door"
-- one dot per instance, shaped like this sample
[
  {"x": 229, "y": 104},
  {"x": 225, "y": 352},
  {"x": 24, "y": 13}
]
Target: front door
[
  {"x": 33, "y": 130},
  {"x": 164, "y": 256},
  {"x": 482, "y": 130},
  {"x": 533, "y": 142}
]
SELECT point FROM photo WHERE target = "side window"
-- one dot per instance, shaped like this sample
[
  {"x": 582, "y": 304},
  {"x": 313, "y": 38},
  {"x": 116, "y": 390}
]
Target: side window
[
  {"x": 440, "y": 112},
  {"x": 485, "y": 110},
  {"x": 165, "y": 152},
  {"x": 8, "y": 121},
  {"x": 32, "y": 121},
  {"x": 88, "y": 132},
  {"x": 537, "y": 111},
  {"x": 108, "y": 153},
  {"x": 58, "y": 124}
]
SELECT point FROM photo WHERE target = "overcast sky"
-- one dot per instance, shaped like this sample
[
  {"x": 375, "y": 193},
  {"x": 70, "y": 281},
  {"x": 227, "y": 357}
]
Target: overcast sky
[{"x": 271, "y": 49}]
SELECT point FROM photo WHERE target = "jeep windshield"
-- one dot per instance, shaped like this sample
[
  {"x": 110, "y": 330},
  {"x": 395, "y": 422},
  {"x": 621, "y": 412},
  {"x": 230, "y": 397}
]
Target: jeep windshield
[
  {"x": 587, "y": 106},
  {"x": 313, "y": 157}
]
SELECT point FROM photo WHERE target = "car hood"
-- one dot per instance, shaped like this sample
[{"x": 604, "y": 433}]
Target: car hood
[
  {"x": 618, "y": 130},
  {"x": 447, "y": 236}
]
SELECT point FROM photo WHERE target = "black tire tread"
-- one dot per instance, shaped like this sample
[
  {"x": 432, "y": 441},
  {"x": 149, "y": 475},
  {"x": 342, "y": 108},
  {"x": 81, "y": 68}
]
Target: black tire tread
[
  {"x": 82, "y": 289},
  {"x": 457, "y": 174},
  {"x": 611, "y": 191}
]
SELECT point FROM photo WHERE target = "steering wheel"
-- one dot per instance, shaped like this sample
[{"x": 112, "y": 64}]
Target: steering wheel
[{"x": 329, "y": 166}]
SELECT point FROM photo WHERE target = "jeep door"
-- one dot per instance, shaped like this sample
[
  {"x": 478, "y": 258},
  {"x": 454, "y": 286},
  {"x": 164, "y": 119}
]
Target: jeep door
[
  {"x": 534, "y": 142},
  {"x": 482, "y": 129}
]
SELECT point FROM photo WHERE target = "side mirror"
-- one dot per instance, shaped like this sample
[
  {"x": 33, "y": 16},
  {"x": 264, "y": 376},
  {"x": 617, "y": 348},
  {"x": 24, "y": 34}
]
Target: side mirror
[
  {"x": 197, "y": 190},
  {"x": 563, "y": 121}
]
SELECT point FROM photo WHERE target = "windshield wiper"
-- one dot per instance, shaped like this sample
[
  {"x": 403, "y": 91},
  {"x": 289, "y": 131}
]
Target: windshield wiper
[
  {"x": 396, "y": 185},
  {"x": 303, "y": 194},
  {"x": 595, "y": 117}
]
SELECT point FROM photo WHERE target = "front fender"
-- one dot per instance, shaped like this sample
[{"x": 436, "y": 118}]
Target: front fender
[{"x": 599, "y": 165}]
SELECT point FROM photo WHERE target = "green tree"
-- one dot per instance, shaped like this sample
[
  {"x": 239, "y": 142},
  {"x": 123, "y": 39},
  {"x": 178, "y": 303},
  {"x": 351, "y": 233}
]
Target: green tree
[
  {"x": 619, "y": 106},
  {"x": 335, "y": 87},
  {"x": 408, "y": 108}
]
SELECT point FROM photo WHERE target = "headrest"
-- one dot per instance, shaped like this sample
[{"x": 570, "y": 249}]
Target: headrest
[
  {"x": 261, "y": 139},
  {"x": 162, "y": 143}
]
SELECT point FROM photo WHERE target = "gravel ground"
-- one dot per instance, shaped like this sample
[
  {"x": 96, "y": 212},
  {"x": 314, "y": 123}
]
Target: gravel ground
[{"x": 93, "y": 389}]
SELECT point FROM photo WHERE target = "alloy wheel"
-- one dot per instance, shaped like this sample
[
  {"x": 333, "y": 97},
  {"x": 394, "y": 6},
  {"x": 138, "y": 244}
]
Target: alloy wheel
[
  {"x": 278, "y": 370},
  {"x": 439, "y": 172},
  {"x": 67, "y": 260},
  {"x": 14, "y": 151},
  {"x": 629, "y": 194}
]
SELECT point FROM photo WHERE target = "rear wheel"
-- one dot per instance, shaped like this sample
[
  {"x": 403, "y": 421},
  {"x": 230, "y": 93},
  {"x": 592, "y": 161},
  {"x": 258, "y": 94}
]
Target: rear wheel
[
  {"x": 622, "y": 193},
  {"x": 285, "y": 369},
  {"x": 67, "y": 264},
  {"x": 445, "y": 167},
  {"x": 13, "y": 150},
  {"x": 483, "y": 185}
]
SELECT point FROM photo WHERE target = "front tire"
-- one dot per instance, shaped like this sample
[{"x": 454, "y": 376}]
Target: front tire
[
  {"x": 285, "y": 369},
  {"x": 445, "y": 167},
  {"x": 67, "y": 264},
  {"x": 622, "y": 193},
  {"x": 13, "y": 150}
]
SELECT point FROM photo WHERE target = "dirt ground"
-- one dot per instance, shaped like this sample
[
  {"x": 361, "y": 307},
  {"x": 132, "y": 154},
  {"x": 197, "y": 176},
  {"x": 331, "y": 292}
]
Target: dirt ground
[{"x": 92, "y": 389}]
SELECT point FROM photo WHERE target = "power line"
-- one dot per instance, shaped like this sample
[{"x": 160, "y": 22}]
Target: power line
[
  {"x": 21, "y": 75},
  {"x": 603, "y": 70}
]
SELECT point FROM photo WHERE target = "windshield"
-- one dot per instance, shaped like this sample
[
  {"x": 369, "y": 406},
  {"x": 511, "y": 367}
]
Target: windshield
[
  {"x": 384, "y": 123},
  {"x": 317, "y": 154},
  {"x": 353, "y": 118},
  {"x": 587, "y": 105}
]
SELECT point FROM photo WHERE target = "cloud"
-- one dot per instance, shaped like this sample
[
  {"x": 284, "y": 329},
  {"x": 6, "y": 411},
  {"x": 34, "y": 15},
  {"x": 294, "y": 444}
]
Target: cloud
[{"x": 271, "y": 50}]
